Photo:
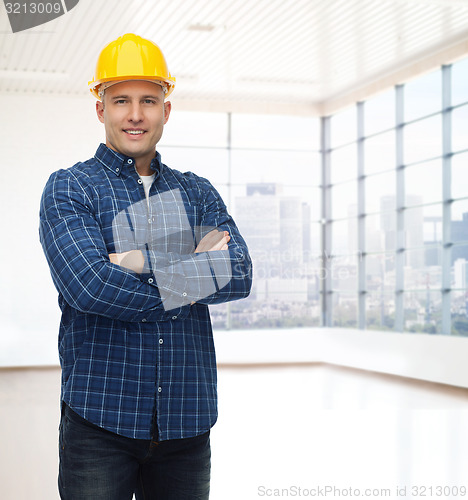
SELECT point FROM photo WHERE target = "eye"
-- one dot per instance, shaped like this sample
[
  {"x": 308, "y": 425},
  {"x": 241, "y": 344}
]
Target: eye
[
  {"x": 149, "y": 101},
  {"x": 120, "y": 101}
]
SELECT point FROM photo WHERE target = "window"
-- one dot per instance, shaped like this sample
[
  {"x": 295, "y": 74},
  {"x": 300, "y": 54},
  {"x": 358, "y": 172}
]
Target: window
[
  {"x": 423, "y": 139},
  {"x": 459, "y": 82},
  {"x": 459, "y": 129},
  {"x": 379, "y": 113},
  {"x": 386, "y": 224},
  {"x": 388, "y": 262},
  {"x": 343, "y": 129},
  {"x": 379, "y": 153},
  {"x": 273, "y": 192},
  {"x": 423, "y": 96}
]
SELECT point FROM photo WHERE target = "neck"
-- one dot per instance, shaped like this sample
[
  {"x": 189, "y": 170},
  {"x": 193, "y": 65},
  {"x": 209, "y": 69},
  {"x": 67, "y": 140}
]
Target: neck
[
  {"x": 143, "y": 168},
  {"x": 143, "y": 163}
]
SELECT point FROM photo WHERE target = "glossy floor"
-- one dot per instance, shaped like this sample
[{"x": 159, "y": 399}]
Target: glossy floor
[
  {"x": 284, "y": 431},
  {"x": 323, "y": 431}
]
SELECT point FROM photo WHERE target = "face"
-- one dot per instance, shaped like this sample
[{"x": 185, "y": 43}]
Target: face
[{"x": 134, "y": 114}]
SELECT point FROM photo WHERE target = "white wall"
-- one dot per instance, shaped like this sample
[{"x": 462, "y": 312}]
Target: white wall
[{"x": 40, "y": 134}]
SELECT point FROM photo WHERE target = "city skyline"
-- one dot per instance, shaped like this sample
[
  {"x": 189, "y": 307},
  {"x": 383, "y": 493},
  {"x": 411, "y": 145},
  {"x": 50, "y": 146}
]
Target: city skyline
[{"x": 288, "y": 273}]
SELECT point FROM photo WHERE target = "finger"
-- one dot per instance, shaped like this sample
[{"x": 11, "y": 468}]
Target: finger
[
  {"x": 218, "y": 239},
  {"x": 211, "y": 237}
]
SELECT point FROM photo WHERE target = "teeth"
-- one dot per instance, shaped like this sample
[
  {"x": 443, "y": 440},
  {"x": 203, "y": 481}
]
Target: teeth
[{"x": 134, "y": 132}]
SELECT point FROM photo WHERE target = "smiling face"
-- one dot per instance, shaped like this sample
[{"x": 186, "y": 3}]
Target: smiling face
[{"x": 134, "y": 114}]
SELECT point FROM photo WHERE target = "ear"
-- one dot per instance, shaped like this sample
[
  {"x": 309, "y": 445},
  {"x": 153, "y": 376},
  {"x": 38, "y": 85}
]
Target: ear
[
  {"x": 100, "y": 111},
  {"x": 167, "y": 111}
]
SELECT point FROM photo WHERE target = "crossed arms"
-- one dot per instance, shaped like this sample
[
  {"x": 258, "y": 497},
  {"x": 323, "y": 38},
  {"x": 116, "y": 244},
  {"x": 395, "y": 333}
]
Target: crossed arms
[
  {"x": 134, "y": 259},
  {"x": 90, "y": 281}
]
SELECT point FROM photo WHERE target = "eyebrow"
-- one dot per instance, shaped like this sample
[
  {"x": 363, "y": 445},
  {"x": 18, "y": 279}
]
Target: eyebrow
[{"x": 142, "y": 97}]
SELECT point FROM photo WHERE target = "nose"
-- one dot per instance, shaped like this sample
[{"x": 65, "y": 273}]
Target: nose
[{"x": 136, "y": 113}]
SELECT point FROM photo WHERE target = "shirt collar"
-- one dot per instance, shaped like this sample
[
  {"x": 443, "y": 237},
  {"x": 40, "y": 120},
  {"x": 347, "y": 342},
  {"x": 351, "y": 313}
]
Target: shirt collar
[{"x": 117, "y": 162}]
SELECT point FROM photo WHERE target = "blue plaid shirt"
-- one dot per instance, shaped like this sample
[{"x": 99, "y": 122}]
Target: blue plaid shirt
[{"x": 132, "y": 345}]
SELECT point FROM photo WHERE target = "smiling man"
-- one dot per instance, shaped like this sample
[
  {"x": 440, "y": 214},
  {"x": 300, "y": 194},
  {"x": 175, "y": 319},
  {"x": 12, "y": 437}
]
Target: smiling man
[
  {"x": 134, "y": 114},
  {"x": 137, "y": 252}
]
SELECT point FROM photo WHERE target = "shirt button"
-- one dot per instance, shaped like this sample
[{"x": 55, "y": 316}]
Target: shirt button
[
  {"x": 129, "y": 161},
  {"x": 184, "y": 294},
  {"x": 143, "y": 320},
  {"x": 174, "y": 317},
  {"x": 117, "y": 169},
  {"x": 159, "y": 389},
  {"x": 150, "y": 280},
  {"x": 140, "y": 181},
  {"x": 150, "y": 221},
  {"x": 161, "y": 341}
]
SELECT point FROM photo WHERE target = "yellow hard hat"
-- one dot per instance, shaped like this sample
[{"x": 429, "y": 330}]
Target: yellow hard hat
[{"x": 131, "y": 57}]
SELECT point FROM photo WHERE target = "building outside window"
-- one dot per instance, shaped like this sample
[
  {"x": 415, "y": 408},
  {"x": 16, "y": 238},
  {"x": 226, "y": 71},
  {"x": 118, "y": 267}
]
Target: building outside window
[{"x": 355, "y": 220}]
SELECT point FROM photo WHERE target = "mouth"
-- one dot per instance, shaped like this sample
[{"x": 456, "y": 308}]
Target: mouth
[{"x": 134, "y": 132}]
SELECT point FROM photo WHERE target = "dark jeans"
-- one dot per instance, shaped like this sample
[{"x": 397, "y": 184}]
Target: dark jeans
[{"x": 96, "y": 464}]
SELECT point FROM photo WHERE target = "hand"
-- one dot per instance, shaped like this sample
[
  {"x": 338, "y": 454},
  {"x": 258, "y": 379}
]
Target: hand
[
  {"x": 132, "y": 260},
  {"x": 214, "y": 240}
]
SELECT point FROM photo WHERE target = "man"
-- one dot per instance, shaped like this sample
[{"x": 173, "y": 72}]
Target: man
[{"x": 137, "y": 251}]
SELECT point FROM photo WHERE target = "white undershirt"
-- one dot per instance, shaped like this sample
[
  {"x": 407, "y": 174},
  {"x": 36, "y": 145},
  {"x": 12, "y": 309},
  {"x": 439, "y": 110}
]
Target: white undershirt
[{"x": 147, "y": 181}]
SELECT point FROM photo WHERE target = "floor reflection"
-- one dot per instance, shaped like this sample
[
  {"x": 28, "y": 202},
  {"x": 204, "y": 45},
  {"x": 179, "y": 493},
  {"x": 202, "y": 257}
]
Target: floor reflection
[{"x": 295, "y": 431}]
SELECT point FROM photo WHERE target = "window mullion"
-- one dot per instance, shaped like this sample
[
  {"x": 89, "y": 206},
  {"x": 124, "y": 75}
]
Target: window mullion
[
  {"x": 361, "y": 219},
  {"x": 447, "y": 197},
  {"x": 400, "y": 214},
  {"x": 325, "y": 275}
]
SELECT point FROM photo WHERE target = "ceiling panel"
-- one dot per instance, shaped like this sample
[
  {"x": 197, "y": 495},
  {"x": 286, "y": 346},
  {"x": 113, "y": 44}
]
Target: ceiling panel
[{"x": 298, "y": 56}]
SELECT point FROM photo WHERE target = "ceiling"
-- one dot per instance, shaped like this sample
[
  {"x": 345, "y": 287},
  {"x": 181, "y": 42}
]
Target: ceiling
[{"x": 273, "y": 56}]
